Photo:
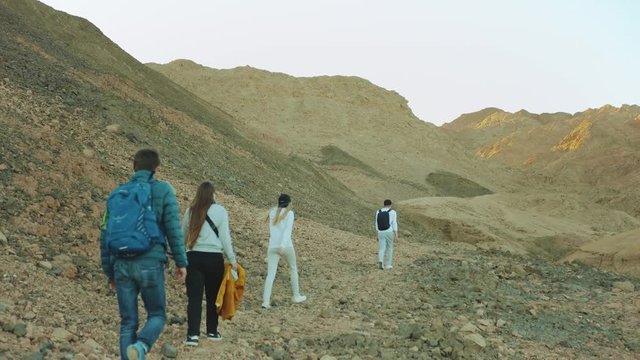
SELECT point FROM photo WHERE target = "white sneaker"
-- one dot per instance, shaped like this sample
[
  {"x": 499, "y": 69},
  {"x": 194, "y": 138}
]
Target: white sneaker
[
  {"x": 214, "y": 336},
  {"x": 299, "y": 298},
  {"x": 388, "y": 267},
  {"x": 266, "y": 306}
]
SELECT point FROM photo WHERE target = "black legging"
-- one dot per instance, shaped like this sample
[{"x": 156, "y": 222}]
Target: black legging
[{"x": 204, "y": 272}]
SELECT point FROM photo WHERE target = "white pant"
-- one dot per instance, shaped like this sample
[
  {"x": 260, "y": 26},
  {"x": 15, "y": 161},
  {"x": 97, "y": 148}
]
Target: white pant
[
  {"x": 273, "y": 257},
  {"x": 385, "y": 244}
]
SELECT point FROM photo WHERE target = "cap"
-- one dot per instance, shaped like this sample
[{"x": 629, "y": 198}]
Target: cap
[{"x": 284, "y": 200}]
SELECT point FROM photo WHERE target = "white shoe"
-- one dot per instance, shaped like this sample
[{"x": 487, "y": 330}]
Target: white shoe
[
  {"x": 214, "y": 336},
  {"x": 299, "y": 298},
  {"x": 388, "y": 267},
  {"x": 266, "y": 306}
]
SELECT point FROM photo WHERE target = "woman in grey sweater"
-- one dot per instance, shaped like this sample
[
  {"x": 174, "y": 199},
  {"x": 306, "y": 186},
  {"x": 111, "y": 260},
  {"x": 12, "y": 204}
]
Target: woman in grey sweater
[{"x": 207, "y": 237}]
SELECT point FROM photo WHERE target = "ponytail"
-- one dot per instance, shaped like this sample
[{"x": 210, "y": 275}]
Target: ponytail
[{"x": 281, "y": 214}]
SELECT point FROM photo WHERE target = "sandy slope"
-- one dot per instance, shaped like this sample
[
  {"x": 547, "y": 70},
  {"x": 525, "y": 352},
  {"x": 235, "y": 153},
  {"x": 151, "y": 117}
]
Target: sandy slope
[
  {"x": 619, "y": 253},
  {"x": 546, "y": 224}
]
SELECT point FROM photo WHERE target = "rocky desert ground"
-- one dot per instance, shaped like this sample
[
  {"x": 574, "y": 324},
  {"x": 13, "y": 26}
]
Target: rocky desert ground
[{"x": 441, "y": 300}]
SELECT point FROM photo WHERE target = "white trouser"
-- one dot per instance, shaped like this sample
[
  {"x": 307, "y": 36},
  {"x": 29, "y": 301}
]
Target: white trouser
[
  {"x": 273, "y": 257},
  {"x": 385, "y": 243}
]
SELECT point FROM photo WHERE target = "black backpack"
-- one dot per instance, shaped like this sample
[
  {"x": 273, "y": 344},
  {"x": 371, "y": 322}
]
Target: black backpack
[{"x": 383, "y": 219}]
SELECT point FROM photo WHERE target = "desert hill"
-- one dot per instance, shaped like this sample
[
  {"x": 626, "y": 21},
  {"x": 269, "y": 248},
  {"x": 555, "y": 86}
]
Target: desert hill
[
  {"x": 73, "y": 109},
  {"x": 364, "y": 135},
  {"x": 105, "y": 104},
  {"x": 596, "y": 148},
  {"x": 549, "y": 165},
  {"x": 592, "y": 155}
]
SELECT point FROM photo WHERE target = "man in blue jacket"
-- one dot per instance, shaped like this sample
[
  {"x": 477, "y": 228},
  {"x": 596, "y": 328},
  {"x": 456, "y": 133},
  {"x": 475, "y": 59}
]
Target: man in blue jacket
[{"x": 144, "y": 274}]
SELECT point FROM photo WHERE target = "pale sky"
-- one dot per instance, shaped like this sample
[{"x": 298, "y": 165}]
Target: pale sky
[{"x": 445, "y": 57}]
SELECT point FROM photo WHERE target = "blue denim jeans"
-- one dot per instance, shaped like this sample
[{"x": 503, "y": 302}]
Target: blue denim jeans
[{"x": 144, "y": 277}]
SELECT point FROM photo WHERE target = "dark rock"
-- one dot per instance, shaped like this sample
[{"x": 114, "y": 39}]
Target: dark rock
[
  {"x": 169, "y": 351},
  {"x": 3, "y": 239},
  {"x": 388, "y": 354},
  {"x": 47, "y": 346},
  {"x": 177, "y": 319},
  {"x": 266, "y": 348},
  {"x": 372, "y": 349},
  {"x": 280, "y": 354},
  {"x": 633, "y": 346},
  {"x": 411, "y": 331},
  {"x": 132, "y": 137},
  {"x": 20, "y": 329},
  {"x": 66, "y": 347},
  {"x": 433, "y": 340},
  {"x": 34, "y": 356},
  {"x": 353, "y": 340}
]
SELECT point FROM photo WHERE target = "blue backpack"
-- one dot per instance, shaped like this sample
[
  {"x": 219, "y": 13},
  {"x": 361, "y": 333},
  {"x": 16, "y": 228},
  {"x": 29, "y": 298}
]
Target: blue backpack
[{"x": 131, "y": 228}]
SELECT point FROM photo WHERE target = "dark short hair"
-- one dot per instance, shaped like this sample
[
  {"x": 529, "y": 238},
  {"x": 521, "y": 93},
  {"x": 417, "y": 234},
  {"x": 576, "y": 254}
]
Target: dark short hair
[
  {"x": 146, "y": 159},
  {"x": 387, "y": 202}
]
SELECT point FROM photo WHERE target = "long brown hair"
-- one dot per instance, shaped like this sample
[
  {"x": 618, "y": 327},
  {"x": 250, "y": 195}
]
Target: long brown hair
[{"x": 198, "y": 212}]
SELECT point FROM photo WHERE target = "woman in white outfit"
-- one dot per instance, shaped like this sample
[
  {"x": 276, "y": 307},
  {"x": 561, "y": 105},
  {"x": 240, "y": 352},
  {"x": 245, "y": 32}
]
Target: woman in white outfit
[{"x": 280, "y": 220}]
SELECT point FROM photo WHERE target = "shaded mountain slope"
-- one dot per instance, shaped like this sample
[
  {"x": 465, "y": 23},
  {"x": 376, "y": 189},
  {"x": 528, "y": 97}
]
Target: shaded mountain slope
[
  {"x": 63, "y": 80},
  {"x": 320, "y": 116}
]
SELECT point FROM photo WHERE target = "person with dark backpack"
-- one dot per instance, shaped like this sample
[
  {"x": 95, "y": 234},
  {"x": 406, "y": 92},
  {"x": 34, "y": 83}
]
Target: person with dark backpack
[
  {"x": 387, "y": 230},
  {"x": 206, "y": 230},
  {"x": 140, "y": 219}
]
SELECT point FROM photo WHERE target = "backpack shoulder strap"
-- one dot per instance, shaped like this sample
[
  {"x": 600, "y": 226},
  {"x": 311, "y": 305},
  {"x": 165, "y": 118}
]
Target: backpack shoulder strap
[{"x": 213, "y": 226}]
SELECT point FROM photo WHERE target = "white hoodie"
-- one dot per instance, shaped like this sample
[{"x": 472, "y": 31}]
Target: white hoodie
[
  {"x": 207, "y": 240},
  {"x": 280, "y": 234}
]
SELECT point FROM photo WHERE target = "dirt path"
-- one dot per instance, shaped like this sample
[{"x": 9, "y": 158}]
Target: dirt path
[{"x": 338, "y": 273}]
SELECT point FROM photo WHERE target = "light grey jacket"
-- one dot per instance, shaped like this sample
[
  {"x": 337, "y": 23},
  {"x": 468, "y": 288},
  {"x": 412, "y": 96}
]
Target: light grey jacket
[{"x": 207, "y": 240}]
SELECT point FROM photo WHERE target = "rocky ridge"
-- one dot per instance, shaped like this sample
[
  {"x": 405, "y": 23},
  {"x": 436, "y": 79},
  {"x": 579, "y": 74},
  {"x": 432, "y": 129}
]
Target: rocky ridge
[{"x": 362, "y": 134}]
